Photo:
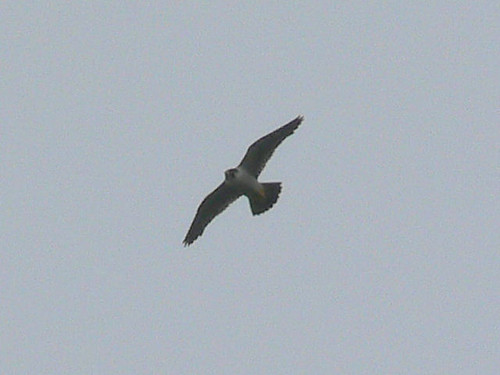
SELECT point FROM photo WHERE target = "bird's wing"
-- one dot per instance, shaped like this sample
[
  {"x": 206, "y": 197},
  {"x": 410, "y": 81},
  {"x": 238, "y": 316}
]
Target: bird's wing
[
  {"x": 214, "y": 203},
  {"x": 261, "y": 150}
]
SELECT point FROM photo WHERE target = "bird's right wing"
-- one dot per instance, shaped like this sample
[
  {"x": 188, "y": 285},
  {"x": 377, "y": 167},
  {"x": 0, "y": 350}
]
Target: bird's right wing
[{"x": 216, "y": 202}]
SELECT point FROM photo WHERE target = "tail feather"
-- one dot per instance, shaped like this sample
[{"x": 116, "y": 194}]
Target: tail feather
[{"x": 260, "y": 204}]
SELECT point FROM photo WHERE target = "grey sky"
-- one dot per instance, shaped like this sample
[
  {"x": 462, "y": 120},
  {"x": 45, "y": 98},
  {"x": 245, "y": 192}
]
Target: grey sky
[{"x": 382, "y": 253}]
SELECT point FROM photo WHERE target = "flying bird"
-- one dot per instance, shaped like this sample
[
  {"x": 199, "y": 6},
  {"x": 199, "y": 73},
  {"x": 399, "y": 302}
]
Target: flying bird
[{"x": 242, "y": 180}]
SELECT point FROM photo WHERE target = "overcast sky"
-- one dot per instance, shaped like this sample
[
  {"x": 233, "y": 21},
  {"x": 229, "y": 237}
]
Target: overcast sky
[{"x": 382, "y": 253}]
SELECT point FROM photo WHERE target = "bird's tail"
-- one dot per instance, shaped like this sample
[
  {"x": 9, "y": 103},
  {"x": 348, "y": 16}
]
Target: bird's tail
[{"x": 262, "y": 203}]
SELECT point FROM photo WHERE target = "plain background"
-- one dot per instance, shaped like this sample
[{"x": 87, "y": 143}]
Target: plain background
[{"x": 382, "y": 254}]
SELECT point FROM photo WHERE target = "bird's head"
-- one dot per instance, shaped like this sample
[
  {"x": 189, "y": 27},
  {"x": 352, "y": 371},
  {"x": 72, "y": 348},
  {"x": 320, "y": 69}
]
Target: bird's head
[{"x": 231, "y": 174}]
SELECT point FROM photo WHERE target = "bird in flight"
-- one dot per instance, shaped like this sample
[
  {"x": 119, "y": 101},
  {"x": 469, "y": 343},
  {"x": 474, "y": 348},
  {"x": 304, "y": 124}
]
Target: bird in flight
[{"x": 242, "y": 180}]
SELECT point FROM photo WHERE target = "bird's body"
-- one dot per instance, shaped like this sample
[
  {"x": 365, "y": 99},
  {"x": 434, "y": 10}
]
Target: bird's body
[{"x": 242, "y": 180}]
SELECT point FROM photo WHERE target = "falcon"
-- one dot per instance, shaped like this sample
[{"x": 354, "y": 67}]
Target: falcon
[{"x": 242, "y": 180}]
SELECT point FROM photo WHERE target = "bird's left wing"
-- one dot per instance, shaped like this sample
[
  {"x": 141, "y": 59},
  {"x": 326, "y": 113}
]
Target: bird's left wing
[
  {"x": 261, "y": 150},
  {"x": 216, "y": 202}
]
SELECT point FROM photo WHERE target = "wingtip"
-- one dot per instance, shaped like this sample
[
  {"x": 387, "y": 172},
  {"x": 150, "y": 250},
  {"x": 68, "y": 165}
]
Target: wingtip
[{"x": 297, "y": 121}]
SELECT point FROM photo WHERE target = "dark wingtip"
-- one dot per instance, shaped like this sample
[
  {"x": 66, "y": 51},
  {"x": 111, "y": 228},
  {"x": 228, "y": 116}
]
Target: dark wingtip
[{"x": 298, "y": 120}]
